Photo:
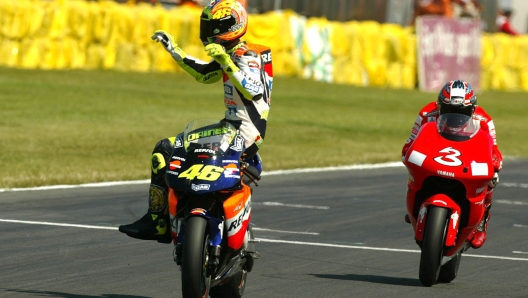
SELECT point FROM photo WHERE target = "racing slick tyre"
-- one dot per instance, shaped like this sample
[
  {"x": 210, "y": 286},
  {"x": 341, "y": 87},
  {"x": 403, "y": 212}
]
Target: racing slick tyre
[
  {"x": 433, "y": 245},
  {"x": 195, "y": 277}
]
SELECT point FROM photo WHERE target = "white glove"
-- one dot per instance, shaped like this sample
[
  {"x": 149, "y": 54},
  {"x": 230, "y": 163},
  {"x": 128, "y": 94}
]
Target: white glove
[
  {"x": 167, "y": 41},
  {"x": 494, "y": 181}
]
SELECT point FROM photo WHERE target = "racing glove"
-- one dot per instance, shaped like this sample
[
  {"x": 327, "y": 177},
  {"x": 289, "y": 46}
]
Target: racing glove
[
  {"x": 167, "y": 41},
  {"x": 497, "y": 163},
  {"x": 494, "y": 181},
  {"x": 219, "y": 54}
]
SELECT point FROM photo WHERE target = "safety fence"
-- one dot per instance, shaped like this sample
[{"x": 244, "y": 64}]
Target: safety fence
[{"x": 77, "y": 34}]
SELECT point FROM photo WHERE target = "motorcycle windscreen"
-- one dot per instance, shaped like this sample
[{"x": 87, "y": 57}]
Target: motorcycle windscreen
[
  {"x": 211, "y": 160},
  {"x": 457, "y": 127},
  {"x": 208, "y": 134}
]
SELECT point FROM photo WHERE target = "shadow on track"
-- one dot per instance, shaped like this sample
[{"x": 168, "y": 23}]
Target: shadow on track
[{"x": 374, "y": 279}]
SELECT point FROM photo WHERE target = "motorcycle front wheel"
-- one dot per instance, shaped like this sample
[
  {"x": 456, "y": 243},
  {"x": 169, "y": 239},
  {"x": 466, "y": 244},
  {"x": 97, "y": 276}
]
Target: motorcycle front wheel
[
  {"x": 433, "y": 245},
  {"x": 195, "y": 277}
]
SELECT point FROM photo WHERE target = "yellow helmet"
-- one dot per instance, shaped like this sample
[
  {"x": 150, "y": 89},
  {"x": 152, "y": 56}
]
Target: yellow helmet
[{"x": 223, "y": 21}]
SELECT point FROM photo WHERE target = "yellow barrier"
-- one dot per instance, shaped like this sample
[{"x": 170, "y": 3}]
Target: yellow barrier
[{"x": 78, "y": 34}]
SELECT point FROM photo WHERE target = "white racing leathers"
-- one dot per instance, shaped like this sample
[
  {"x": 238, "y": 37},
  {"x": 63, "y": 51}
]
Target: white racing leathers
[{"x": 247, "y": 91}]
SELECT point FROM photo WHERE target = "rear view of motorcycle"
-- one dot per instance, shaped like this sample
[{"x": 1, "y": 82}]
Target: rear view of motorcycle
[
  {"x": 450, "y": 166},
  {"x": 210, "y": 209}
]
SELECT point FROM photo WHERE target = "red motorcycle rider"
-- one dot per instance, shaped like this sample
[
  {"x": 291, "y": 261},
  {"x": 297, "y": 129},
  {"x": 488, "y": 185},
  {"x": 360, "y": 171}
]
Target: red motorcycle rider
[{"x": 458, "y": 97}]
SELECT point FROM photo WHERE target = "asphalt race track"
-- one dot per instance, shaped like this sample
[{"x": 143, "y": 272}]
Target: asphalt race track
[{"x": 323, "y": 234}]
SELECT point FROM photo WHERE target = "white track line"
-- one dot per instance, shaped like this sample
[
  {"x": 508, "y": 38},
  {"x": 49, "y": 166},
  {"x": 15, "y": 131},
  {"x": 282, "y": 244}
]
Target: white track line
[
  {"x": 398, "y": 164},
  {"x": 101, "y": 184},
  {"x": 521, "y": 185},
  {"x": 271, "y": 240},
  {"x": 57, "y": 224},
  {"x": 277, "y": 204},
  {"x": 114, "y": 228},
  {"x": 271, "y": 173},
  {"x": 510, "y": 202},
  {"x": 378, "y": 248},
  {"x": 281, "y": 231}
]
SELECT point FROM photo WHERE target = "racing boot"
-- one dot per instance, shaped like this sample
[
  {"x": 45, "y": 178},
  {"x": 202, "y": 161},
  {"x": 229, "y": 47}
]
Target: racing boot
[
  {"x": 480, "y": 236},
  {"x": 154, "y": 225}
]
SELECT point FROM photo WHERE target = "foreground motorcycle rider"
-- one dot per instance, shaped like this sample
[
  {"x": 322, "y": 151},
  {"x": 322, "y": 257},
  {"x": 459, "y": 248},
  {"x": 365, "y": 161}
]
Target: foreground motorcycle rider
[
  {"x": 246, "y": 70},
  {"x": 458, "y": 97}
]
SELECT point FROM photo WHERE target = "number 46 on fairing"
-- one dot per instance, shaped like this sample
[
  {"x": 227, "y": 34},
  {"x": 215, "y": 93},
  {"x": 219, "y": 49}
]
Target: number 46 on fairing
[{"x": 208, "y": 173}]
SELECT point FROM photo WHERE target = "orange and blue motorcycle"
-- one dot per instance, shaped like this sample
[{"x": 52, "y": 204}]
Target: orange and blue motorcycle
[{"x": 210, "y": 209}]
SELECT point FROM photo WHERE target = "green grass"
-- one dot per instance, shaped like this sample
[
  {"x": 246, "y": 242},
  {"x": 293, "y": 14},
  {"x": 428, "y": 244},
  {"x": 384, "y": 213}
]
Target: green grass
[{"x": 69, "y": 127}]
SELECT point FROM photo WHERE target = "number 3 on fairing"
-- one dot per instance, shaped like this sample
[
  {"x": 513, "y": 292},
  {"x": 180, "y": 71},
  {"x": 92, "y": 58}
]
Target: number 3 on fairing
[
  {"x": 452, "y": 160},
  {"x": 208, "y": 173}
]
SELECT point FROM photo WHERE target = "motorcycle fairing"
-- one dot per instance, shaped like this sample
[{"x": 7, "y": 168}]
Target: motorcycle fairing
[
  {"x": 440, "y": 157},
  {"x": 173, "y": 204},
  {"x": 237, "y": 212},
  {"x": 206, "y": 159},
  {"x": 465, "y": 160},
  {"x": 205, "y": 174},
  {"x": 216, "y": 226},
  {"x": 443, "y": 201}
]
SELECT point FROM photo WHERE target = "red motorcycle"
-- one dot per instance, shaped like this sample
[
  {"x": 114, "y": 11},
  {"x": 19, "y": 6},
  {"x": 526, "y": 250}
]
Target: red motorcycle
[{"x": 449, "y": 167}]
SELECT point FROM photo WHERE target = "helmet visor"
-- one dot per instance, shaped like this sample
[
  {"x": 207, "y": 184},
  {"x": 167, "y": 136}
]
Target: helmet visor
[
  {"x": 464, "y": 110},
  {"x": 209, "y": 29}
]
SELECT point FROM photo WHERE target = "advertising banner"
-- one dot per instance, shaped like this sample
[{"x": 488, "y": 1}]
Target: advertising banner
[{"x": 448, "y": 49}]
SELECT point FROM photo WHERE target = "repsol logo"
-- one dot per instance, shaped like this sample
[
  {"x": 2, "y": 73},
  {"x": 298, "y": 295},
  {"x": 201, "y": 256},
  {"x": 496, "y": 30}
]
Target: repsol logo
[
  {"x": 237, "y": 222},
  {"x": 266, "y": 57},
  {"x": 204, "y": 151}
]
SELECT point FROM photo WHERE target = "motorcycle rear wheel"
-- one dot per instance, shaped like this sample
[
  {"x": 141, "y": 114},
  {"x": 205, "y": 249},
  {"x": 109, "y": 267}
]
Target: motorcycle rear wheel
[
  {"x": 194, "y": 274},
  {"x": 232, "y": 289},
  {"x": 433, "y": 245},
  {"x": 449, "y": 270}
]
